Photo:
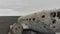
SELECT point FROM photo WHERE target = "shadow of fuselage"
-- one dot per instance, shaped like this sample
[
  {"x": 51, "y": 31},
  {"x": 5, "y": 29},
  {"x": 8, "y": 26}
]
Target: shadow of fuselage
[{"x": 30, "y": 31}]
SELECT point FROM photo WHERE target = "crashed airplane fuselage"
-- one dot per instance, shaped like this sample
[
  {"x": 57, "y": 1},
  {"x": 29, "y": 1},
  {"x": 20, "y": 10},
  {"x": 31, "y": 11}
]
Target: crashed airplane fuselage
[{"x": 47, "y": 21}]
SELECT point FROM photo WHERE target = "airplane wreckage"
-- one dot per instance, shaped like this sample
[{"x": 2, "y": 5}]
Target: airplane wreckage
[{"x": 47, "y": 21}]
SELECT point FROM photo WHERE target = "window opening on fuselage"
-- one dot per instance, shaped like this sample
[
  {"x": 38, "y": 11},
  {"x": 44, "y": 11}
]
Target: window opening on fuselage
[
  {"x": 53, "y": 14},
  {"x": 33, "y": 19},
  {"x": 54, "y": 21},
  {"x": 29, "y": 19},
  {"x": 43, "y": 16}
]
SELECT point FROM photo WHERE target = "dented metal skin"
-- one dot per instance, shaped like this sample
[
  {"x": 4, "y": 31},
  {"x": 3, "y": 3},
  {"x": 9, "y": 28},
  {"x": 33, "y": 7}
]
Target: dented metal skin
[{"x": 47, "y": 21}]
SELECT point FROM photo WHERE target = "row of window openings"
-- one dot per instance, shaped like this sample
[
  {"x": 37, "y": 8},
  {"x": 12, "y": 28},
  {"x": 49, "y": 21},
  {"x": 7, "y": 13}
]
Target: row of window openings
[
  {"x": 53, "y": 13},
  {"x": 30, "y": 19},
  {"x": 34, "y": 18},
  {"x": 54, "y": 21}
]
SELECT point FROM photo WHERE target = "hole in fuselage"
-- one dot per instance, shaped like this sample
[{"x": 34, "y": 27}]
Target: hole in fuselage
[
  {"x": 33, "y": 19},
  {"x": 53, "y": 14},
  {"x": 58, "y": 15},
  {"x": 54, "y": 21},
  {"x": 43, "y": 16},
  {"x": 26, "y": 19},
  {"x": 29, "y": 19}
]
